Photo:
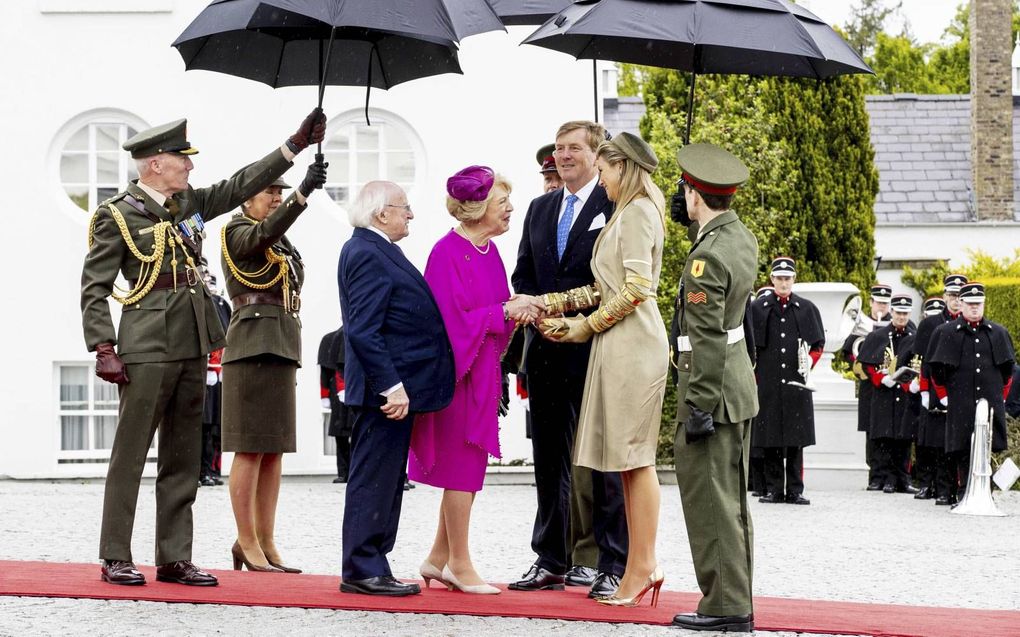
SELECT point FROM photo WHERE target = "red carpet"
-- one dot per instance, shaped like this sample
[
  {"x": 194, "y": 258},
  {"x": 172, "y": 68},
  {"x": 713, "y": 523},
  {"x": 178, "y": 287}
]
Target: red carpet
[{"x": 52, "y": 579}]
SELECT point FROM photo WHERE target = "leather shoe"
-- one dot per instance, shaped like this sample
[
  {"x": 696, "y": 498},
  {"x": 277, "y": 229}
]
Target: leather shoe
[
  {"x": 942, "y": 500},
  {"x": 538, "y": 579},
  {"x": 732, "y": 623},
  {"x": 385, "y": 585},
  {"x": 907, "y": 488},
  {"x": 121, "y": 572},
  {"x": 874, "y": 485},
  {"x": 580, "y": 576},
  {"x": 771, "y": 498},
  {"x": 184, "y": 572},
  {"x": 605, "y": 585},
  {"x": 206, "y": 481},
  {"x": 796, "y": 498},
  {"x": 340, "y": 479},
  {"x": 926, "y": 493},
  {"x": 889, "y": 488}
]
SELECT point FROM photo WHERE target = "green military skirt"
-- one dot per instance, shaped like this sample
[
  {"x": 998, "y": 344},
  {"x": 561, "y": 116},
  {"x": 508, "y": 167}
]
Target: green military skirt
[{"x": 259, "y": 404}]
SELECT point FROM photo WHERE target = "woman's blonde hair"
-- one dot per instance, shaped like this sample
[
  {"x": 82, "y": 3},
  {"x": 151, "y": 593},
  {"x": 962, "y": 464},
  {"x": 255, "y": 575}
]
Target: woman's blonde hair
[
  {"x": 475, "y": 210},
  {"x": 635, "y": 181}
]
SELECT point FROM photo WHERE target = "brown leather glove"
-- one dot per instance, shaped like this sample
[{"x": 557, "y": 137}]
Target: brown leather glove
[
  {"x": 109, "y": 367},
  {"x": 312, "y": 131}
]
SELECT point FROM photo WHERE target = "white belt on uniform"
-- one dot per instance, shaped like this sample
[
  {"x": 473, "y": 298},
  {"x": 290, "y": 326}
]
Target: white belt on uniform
[{"x": 683, "y": 343}]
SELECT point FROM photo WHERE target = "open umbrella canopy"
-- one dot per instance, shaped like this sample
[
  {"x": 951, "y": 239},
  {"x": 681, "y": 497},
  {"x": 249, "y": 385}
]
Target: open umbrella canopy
[
  {"x": 516, "y": 12},
  {"x": 753, "y": 37}
]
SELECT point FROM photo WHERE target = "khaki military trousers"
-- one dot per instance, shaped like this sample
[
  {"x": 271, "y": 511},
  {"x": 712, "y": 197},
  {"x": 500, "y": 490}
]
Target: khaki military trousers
[
  {"x": 169, "y": 396},
  {"x": 712, "y": 476}
]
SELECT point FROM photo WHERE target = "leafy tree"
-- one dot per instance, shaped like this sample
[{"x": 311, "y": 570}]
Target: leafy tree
[
  {"x": 901, "y": 66},
  {"x": 867, "y": 21},
  {"x": 812, "y": 187}
]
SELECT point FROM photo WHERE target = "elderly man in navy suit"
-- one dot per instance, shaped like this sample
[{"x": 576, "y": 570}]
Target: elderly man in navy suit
[
  {"x": 399, "y": 363},
  {"x": 554, "y": 256}
]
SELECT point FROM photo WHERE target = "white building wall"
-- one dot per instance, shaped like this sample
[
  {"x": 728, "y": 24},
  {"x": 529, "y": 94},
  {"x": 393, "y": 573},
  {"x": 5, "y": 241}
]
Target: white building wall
[{"x": 63, "y": 59}]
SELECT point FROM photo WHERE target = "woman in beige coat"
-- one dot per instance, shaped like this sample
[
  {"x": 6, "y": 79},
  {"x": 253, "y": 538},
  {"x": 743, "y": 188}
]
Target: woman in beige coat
[{"x": 621, "y": 409}]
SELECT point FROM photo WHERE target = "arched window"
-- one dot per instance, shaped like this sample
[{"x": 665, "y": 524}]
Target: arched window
[
  {"x": 92, "y": 165},
  {"x": 389, "y": 149}
]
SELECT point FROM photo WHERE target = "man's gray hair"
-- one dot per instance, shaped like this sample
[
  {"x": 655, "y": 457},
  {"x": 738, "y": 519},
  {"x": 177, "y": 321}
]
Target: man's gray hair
[{"x": 370, "y": 202}]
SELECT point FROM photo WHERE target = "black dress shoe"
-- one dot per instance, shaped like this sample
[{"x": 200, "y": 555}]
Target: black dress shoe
[
  {"x": 926, "y": 493},
  {"x": 580, "y": 576},
  {"x": 538, "y": 579},
  {"x": 340, "y": 480},
  {"x": 206, "y": 481},
  {"x": 121, "y": 572},
  {"x": 874, "y": 485},
  {"x": 757, "y": 494},
  {"x": 942, "y": 500},
  {"x": 604, "y": 586},
  {"x": 218, "y": 481},
  {"x": 906, "y": 488},
  {"x": 385, "y": 585},
  {"x": 731, "y": 624},
  {"x": 771, "y": 498},
  {"x": 889, "y": 488},
  {"x": 184, "y": 572},
  {"x": 796, "y": 498}
]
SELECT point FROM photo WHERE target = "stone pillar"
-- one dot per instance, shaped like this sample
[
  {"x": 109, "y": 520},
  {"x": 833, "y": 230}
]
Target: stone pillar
[{"x": 991, "y": 112}]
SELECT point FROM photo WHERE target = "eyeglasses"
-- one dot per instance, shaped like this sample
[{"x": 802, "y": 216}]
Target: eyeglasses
[{"x": 406, "y": 206}]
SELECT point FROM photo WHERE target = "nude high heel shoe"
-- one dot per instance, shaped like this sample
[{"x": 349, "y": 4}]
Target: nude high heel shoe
[
  {"x": 429, "y": 573},
  {"x": 654, "y": 583},
  {"x": 239, "y": 559},
  {"x": 475, "y": 589}
]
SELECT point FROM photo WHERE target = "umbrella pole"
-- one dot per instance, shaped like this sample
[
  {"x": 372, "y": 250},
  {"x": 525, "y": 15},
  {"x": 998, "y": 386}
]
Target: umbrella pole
[
  {"x": 368, "y": 84},
  {"x": 322, "y": 84},
  {"x": 595, "y": 85},
  {"x": 690, "y": 109}
]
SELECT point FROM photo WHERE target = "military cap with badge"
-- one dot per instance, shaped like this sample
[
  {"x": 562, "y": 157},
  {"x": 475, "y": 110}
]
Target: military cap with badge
[
  {"x": 708, "y": 169},
  {"x": 783, "y": 266},
  {"x": 933, "y": 305}
]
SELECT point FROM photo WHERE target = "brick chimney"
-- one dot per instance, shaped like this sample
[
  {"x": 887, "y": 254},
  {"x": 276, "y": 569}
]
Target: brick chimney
[{"x": 991, "y": 112}]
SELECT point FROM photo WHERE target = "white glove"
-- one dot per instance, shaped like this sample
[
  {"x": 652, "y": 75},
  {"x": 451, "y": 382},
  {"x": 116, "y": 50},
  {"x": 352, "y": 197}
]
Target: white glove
[
  {"x": 888, "y": 382},
  {"x": 925, "y": 400},
  {"x": 340, "y": 395},
  {"x": 944, "y": 401},
  {"x": 915, "y": 386},
  {"x": 211, "y": 378},
  {"x": 325, "y": 403}
]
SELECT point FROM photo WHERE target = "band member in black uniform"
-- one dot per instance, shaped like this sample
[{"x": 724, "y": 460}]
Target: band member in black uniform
[
  {"x": 933, "y": 471},
  {"x": 878, "y": 354},
  {"x": 971, "y": 358},
  {"x": 878, "y": 317},
  {"x": 784, "y": 323}
]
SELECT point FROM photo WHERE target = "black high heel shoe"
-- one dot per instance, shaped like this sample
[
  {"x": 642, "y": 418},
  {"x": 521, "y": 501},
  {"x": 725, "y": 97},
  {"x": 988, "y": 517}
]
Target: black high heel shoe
[{"x": 240, "y": 559}]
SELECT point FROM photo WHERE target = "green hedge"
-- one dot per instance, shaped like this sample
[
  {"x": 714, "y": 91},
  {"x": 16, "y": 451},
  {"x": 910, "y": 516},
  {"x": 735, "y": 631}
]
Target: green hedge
[
  {"x": 1012, "y": 448},
  {"x": 1002, "y": 304}
]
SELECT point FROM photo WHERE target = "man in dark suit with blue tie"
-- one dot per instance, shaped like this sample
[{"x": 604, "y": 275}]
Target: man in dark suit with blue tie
[
  {"x": 554, "y": 256},
  {"x": 398, "y": 363}
]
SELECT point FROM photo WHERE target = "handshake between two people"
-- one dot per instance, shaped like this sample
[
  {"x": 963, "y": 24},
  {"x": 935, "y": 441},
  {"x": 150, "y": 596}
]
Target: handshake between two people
[{"x": 531, "y": 310}]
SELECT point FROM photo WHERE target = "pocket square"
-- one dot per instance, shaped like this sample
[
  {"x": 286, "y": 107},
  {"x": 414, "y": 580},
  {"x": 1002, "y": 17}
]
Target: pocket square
[{"x": 597, "y": 223}]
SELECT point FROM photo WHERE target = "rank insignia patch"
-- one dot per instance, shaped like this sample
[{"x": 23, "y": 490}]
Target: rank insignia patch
[
  {"x": 697, "y": 268},
  {"x": 696, "y": 297}
]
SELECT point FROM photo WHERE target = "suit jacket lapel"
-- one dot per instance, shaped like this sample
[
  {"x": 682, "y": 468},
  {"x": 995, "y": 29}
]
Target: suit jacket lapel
[
  {"x": 595, "y": 205},
  {"x": 394, "y": 254}
]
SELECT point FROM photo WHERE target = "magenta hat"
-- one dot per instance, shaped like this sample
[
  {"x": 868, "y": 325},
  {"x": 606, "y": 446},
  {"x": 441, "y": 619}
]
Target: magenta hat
[{"x": 471, "y": 184}]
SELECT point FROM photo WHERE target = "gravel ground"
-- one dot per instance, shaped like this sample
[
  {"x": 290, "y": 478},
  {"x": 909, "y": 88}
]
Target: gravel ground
[{"x": 849, "y": 546}]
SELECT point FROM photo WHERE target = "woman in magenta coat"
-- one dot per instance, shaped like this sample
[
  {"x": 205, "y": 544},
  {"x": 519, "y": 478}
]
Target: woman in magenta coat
[{"x": 450, "y": 448}]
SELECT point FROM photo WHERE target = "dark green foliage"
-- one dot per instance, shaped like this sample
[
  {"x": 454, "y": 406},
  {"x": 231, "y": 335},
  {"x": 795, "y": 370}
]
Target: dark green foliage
[{"x": 812, "y": 187}]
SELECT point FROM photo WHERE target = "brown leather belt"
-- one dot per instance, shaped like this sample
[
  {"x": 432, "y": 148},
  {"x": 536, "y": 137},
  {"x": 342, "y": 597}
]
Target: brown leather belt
[
  {"x": 257, "y": 298},
  {"x": 185, "y": 278}
]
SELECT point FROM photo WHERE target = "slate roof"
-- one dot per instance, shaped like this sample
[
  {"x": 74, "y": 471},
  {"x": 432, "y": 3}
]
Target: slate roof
[{"x": 922, "y": 153}]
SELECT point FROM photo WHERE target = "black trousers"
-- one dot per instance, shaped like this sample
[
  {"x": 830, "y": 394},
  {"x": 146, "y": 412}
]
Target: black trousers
[
  {"x": 869, "y": 458},
  {"x": 958, "y": 470},
  {"x": 343, "y": 456},
  {"x": 891, "y": 458},
  {"x": 375, "y": 491},
  {"x": 756, "y": 472},
  {"x": 555, "y": 403},
  {"x": 211, "y": 453},
  {"x": 793, "y": 471},
  {"x": 933, "y": 470}
]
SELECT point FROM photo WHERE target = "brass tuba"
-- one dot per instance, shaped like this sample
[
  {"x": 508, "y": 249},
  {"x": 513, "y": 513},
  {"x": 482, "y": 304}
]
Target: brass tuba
[
  {"x": 803, "y": 367},
  {"x": 978, "y": 498}
]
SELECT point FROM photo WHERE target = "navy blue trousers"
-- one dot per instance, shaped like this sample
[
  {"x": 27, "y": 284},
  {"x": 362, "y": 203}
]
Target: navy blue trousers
[{"x": 375, "y": 491}]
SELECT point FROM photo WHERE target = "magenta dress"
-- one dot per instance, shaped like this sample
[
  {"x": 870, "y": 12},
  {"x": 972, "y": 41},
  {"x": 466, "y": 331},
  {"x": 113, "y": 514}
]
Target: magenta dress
[{"x": 450, "y": 448}]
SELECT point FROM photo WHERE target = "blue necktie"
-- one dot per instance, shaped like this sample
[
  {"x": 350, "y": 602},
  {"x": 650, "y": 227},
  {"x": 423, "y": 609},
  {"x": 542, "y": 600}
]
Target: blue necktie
[{"x": 563, "y": 228}]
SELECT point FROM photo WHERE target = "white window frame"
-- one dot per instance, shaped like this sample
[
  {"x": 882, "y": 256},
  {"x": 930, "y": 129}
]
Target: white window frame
[
  {"x": 381, "y": 120},
  {"x": 89, "y": 119},
  {"x": 90, "y": 454}
]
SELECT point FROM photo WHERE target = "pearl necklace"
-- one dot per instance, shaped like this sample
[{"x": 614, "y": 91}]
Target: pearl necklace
[{"x": 467, "y": 236}]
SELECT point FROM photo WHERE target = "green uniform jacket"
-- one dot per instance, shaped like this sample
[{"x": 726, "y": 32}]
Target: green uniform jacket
[
  {"x": 166, "y": 324},
  {"x": 263, "y": 329},
  {"x": 718, "y": 278}
]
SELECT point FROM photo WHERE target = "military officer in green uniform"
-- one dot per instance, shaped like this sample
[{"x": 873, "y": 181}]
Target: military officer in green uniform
[
  {"x": 716, "y": 394},
  {"x": 151, "y": 234}
]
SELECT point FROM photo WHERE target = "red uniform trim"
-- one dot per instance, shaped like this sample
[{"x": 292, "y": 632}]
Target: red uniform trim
[{"x": 708, "y": 188}]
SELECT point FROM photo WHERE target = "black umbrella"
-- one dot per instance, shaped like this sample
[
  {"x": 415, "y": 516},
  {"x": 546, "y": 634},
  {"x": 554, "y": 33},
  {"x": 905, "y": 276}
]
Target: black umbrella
[
  {"x": 755, "y": 37},
  {"x": 371, "y": 43},
  {"x": 517, "y": 12}
]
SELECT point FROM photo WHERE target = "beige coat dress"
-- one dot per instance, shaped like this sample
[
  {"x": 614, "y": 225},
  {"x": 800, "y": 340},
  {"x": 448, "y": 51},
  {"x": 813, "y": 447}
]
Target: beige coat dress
[{"x": 622, "y": 405}]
